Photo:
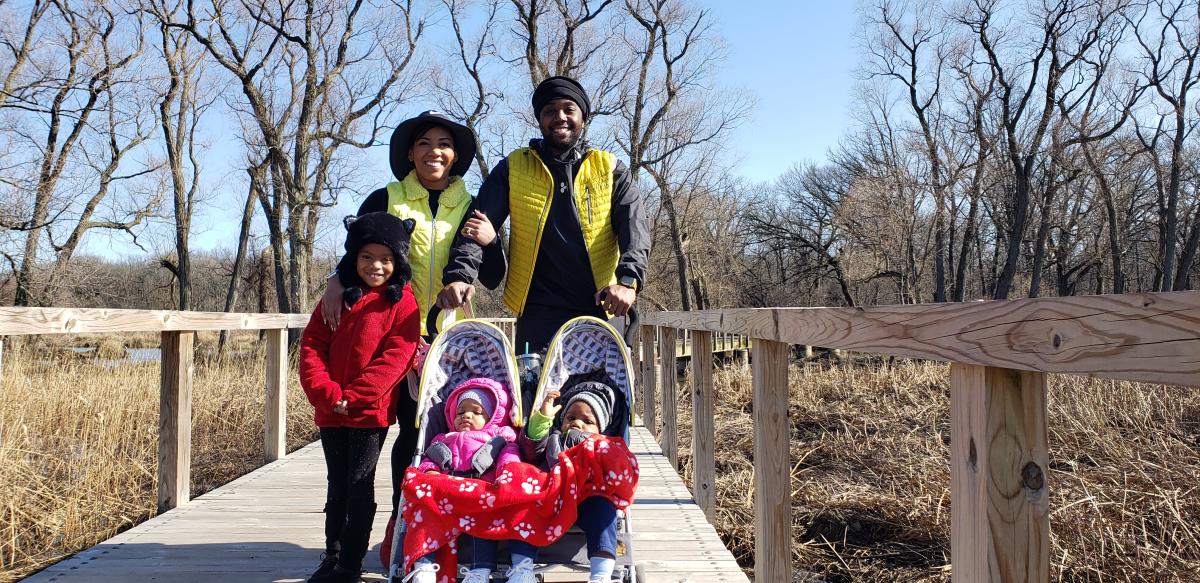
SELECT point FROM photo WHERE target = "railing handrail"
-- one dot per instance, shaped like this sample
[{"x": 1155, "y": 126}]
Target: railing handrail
[
  {"x": 178, "y": 329},
  {"x": 1147, "y": 337},
  {"x": 16, "y": 321}
]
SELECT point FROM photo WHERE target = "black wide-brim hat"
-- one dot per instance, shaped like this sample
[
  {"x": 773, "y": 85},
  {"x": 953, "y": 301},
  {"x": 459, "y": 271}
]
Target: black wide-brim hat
[{"x": 403, "y": 137}]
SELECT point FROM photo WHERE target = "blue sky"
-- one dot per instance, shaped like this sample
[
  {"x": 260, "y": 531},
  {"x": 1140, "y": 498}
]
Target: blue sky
[{"x": 796, "y": 58}]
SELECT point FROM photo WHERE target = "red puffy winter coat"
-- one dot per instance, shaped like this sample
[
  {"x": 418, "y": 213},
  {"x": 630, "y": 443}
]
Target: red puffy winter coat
[{"x": 362, "y": 361}]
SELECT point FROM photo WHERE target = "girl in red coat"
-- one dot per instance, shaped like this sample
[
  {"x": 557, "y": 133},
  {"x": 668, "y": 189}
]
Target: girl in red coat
[{"x": 350, "y": 376}]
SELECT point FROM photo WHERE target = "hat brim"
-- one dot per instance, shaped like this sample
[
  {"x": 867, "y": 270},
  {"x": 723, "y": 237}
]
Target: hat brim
[{"x": 465, "y": 145}]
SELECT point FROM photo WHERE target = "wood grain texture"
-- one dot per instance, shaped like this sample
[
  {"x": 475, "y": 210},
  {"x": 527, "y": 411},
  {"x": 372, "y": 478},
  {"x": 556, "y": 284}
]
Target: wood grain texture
[
  {"x": 275, "y": 404},
  {"x": 1151, "y": 337},
  {"x": 15, "y": 321},
  {"x": 772, "y": 465},
  {"x": 1000, "y": 519},
  {"x": 703, "y": 464},
  {"x": 649, "y": 372},
  {"x": 670, "y": 401},
  {"x": 175, "y": 420}
]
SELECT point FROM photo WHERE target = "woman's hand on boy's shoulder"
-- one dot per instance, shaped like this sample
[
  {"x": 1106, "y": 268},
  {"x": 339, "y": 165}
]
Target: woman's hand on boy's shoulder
[
  {"x": 340, "y": 407},
  {"x": 549, "y": 407}
]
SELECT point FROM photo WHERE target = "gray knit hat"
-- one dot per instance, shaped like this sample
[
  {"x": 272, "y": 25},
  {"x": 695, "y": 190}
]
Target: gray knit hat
[{"x": 598, "y": 396}]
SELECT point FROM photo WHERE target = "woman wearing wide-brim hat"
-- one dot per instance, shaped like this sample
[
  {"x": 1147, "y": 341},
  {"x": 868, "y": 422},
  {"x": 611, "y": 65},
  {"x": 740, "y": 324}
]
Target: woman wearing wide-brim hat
[{"x": 429, "y": 154}]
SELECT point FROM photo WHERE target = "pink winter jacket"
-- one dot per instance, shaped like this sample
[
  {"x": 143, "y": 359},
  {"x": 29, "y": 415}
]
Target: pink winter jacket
[{"x": 464, "y": 444}]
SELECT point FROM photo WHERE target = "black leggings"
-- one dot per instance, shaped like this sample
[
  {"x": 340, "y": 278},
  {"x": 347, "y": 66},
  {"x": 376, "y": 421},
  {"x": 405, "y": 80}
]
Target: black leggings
[
  {"x": 406, "y": 442},
  {"x": 351, "y": 455}
]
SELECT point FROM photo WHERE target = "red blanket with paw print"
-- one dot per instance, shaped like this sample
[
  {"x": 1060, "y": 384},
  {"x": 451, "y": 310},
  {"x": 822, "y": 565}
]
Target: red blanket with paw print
[{"x": 523, "y": 503}]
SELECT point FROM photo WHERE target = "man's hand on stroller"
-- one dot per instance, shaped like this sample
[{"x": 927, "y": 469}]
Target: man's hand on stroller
[
  {"x": 455, "y": 295},
  {"x": 616, "y": 299}
]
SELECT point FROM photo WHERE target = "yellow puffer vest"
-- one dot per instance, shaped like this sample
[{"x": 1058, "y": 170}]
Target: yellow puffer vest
[
  {"x": 529, "y": 188},
  {"x": 429, "y": 249}
]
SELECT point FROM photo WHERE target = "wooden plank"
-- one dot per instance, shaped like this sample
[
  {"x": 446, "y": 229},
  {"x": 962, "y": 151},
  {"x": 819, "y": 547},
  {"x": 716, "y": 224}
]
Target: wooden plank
[
  {"x": 1000, "y": 520},
  {"x": 275, "y": 404},
  {"x": 670, "y": 406},
  {"x": 175, "y": 420},
  {"x": 772, "y": 466},
  {"x": 703, "y": 464},
  {"x": 1151, "y": 337},
  {"x": 15, "y": 321},
  {"x": 649, "y": 341}
]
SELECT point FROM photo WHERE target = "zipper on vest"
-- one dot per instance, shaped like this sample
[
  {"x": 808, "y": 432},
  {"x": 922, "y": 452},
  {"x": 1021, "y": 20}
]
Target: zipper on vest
[
  {"x": 587, "y": 193},
  {"x": 432, "y": 257}
]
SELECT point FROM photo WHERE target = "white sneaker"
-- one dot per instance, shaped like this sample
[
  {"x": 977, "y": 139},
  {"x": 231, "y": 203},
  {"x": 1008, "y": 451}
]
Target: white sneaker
[
  {"x": 521, "y": 573},
  {"x": 476, "y": 575},
  {"x": 422, "y": 573}
]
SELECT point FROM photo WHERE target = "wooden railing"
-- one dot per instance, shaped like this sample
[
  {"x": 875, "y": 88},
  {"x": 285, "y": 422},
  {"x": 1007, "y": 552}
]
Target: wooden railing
[
  {"x": 178, "y": 330},
  {"x": 1001, "y": 353}
]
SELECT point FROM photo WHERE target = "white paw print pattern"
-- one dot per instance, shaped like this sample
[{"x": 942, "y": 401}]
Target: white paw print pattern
[
  {"x": 615, "y": 478},
  {"x": 602, "y": 446},
  {"x": 504, "y": 477},
  {"x": 524, "y": 529},
  {"x": 467, "y": 487},
  {"x": 554, "y": 532},
  {"x": 531, "y": 486},
  {"x": 487, "y": 500},
  {"x": 590, "y": 445},
  {"x": 466, "y": 522},
  {"x": 558, "y": 505},
  {"x": 424, "y": 490},
  {"x": 497, "y": 523},
  {"x": 417, "y": 517},
  {"x": 573, "y": 490},
  {"x": 445, "y": 506}
]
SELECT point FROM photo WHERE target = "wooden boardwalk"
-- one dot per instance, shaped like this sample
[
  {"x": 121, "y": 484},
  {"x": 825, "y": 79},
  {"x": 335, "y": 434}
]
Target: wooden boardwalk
[{"x": 267, "y": 527}]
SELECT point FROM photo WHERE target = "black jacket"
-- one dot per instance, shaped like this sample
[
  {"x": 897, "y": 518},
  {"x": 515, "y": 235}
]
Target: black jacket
[{"x": 562, "y": 275}]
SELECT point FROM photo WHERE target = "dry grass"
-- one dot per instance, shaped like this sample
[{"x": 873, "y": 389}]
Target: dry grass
[
  {"x": 78, "y": 439},
  {"x": 870, "y": 478}
]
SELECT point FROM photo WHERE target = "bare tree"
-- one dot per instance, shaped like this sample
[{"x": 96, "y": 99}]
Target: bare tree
[
  {"x": 179, "y": 111},
  {"x": 92, "y": 66},
  {"x": 314, "y": 76},
  {"x": 474, "y": 103},
  {"x": 1168, "y": 34},
  {"x": 911, "y": 45},
  {"x": 668, "y": 119}
]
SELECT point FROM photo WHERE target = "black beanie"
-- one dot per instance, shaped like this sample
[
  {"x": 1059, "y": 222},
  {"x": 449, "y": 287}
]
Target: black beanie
[
  {"x": 560, "y": 87},
  {"x": 384, "y": 229}
]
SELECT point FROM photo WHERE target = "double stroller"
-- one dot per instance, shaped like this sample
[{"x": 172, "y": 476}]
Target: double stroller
[{"x": 584, "y": 349}]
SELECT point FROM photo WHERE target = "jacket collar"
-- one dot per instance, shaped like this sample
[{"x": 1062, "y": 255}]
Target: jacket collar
[
  {"x": 577, "y": 152},
  {"x": 454, "y": 195}
]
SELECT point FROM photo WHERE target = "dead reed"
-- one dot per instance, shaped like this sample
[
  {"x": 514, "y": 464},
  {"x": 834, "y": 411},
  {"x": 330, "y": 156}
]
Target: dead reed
[
  {"x": 79, "y": 438},
  {"x": 870, "y": 476}
]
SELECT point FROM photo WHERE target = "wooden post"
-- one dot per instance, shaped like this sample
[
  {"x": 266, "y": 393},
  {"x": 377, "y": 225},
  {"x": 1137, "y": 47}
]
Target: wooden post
[
  {"x": 648, "y": 374},
  {"x": 703, "y": 467},
  {"x": 772, "y": 465},
  {"x": 275, "y": 404},
  {"x": 1000, "y": 519},
  {"x": 670, "y": 383},
  {"x": 175, "y": 420}
]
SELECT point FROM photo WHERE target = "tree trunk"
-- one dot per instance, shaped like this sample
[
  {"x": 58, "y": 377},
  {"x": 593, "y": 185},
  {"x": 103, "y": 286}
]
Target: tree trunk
[{"x": 1016, "y": 233}]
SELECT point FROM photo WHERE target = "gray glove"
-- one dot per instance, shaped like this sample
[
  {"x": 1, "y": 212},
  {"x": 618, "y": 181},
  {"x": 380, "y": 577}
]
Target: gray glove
[{"x": 439, "y": 454}]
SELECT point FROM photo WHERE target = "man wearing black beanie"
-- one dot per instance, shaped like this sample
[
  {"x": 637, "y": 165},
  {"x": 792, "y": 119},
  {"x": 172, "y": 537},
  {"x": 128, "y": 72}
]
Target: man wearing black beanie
[{"x": 579, "y": 240}]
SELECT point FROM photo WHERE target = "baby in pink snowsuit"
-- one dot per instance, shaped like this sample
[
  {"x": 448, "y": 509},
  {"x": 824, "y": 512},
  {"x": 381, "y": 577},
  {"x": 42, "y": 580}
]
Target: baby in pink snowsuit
[
  {"x": 480, "y": 439},
  {"x": 479, "y": 442}
]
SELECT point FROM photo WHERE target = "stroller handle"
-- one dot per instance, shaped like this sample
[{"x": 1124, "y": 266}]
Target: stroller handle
[{"x": 631, "y": 325}]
